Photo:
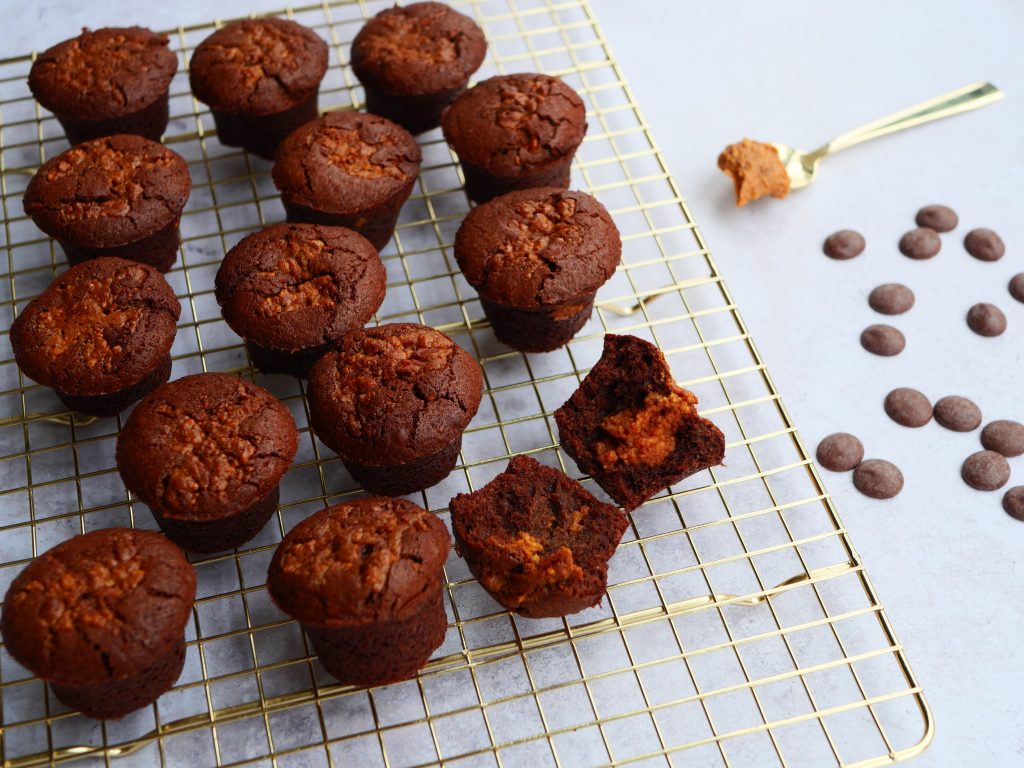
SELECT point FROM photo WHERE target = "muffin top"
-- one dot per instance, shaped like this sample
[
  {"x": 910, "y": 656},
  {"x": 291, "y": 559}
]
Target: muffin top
[
  {"x": 105, "y": 74},
  {"x": 358, "y": 563},
  {"x": 258, "y": 66},
  {"x": 515, "y": 124},
  {"x": 295, "y": 286},
  {"x": 99, "y": 607},
  {"x": 538, "y": 247},
  {"x": 394, "y": 393},
  {"x": 101, "y": 326},
  {"x": 421, "y": 48},
  {"x": 206, "y": 446},
  {"x": 109, "y": 191},
  {"x": 346, "y": 162}
]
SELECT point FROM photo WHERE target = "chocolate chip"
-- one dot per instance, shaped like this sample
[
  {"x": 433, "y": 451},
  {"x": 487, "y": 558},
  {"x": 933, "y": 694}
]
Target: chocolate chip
[
  {"x": 941, "y": 218},
  {"x": 878, "y": 479},
  {"x": 891, "y": 299},
  {"x": 1017, "y": 287},
  {"x": 1013, "y": 502},
  {"x": 986, "y": 471},
  {"x": 920, "y": 243},
  {"x": 844, "y": 244},
  {"x": 984, "y": 244},
  {"x": 882, "y": 340},
  {"x": 986, "y": 320},
  {"x": 1004, "y": 436},
  {"x": 840, "y": 452},
  {"x": 908, "y": 407},
  {"x": 957, "y": 413}
]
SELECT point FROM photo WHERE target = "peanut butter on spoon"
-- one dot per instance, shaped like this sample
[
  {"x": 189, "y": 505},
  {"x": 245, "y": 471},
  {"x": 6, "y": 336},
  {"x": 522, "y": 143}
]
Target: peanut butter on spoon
[{"x": 756, "y": 170}]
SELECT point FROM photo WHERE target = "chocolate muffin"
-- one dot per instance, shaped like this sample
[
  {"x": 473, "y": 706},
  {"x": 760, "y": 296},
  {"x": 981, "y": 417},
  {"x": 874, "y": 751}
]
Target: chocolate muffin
[
  {"x": 206, "y": 454},
  {"x": 113, "y": 196},
  {"x": 100, "y": 335},
  {"x": 632, "y": 428},
  {"x": 348, "y": 169},
  {"x": 292, "y": 290},
  {"x": 393, "y": 402},
  {"x": 101, "y": 618},
  {"x": 365, "y": 579},
  {"x": 537, "y": 540},
  {"x": 113, "y": 80},
  {"x": 537, "y": 258},
  {"x": 261, "y": 80},
  {"x": 515, "y": 132},
  {"x": 414, "y": 60}
]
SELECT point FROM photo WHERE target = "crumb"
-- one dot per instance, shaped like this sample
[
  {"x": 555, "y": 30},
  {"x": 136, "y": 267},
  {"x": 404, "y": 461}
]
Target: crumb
[{"x": 756, "y": 170}]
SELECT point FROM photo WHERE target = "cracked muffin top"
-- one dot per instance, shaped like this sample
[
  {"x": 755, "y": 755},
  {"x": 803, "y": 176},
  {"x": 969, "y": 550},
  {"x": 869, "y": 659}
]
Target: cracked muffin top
[
  {"x": 346, "y": 162},
  {"x": 99, "y": 327},
  {"x": 99, "y": 607},
  {"x": 109, "y": 73},
  {"x": 538, "y": 247},
  {"x": 514, "y": 124},
  {"x": 422, "y": 48},
  {"x": 206, "y": 446},
  {"x": 258, "y": 66},
  {"x": 392, "y": 394},
  {"x": 360, "y": 562},
  {"x": 295, "y": 286},
  {"x": 109, "y": 191}
]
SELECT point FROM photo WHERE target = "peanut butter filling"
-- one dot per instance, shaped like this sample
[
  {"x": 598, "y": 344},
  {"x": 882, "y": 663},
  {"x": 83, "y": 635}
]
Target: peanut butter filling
[{"x": 646, "y": 434}]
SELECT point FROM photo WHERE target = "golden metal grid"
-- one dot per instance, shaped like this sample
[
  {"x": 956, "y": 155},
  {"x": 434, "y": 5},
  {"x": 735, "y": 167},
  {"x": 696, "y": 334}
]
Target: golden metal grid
[{"x": 740, "y": 626}]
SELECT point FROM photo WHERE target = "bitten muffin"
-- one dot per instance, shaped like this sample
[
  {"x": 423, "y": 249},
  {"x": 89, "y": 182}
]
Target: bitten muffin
[
  {"x": 365, "y": 579},
  {"x": 113, "y": 80},
  {"x": 393, "y": 402},
  {"x": 632, "y": 428},
  {"x": 537, "y": 258},
  {"x": 292, "y": 290},
  {"x": 414, "y": 60},
  {"x": 537, "y": 540},
  {"x": 101, "y": 618},
  {"x": 206, "y": 454},
  {"x": 261, "y": 80},
  {"x": 515, "y": 132},
  {"x": 100, "y": 335},
  {"x": 348, "y": 169},
  {"x": 113, "y": 196}
]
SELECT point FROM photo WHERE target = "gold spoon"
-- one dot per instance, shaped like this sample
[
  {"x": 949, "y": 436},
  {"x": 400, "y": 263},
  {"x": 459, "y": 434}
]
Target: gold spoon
[{"x": 802, "y": 166}]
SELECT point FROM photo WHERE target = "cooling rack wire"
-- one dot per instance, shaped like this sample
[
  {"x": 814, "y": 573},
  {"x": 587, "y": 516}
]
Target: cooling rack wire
[{"x": 740, "y": 628}]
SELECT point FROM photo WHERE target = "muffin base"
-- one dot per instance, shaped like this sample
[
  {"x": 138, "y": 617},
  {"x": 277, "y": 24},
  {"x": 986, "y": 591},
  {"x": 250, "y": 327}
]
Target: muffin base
[
  {"x": 149, "y": 122},
  {"x": 159, "y": 250},
  {"x": 416, "y": 475},
  {"x": 376, "y": 224},
  {"x": 115, "y": 699},
  {"x": 260, "y": 134},
  {"x": 530, "y": 330},
  {"x": 115, "y": 402},
  {"x": 482, "y": 185},
  {"x": 417, "y": 113},
  {"x": 295, "y": 363},
  {"x": 221, "y": 534},
  {"x": 382, "y": 653}
]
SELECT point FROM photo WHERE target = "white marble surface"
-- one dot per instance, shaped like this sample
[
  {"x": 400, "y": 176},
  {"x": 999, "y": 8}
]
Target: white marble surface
[{"x": 945, "y": 559}]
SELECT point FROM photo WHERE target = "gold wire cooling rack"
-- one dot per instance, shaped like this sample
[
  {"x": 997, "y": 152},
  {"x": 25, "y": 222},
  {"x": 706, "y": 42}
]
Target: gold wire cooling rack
[{"x": 740, "y": 627}]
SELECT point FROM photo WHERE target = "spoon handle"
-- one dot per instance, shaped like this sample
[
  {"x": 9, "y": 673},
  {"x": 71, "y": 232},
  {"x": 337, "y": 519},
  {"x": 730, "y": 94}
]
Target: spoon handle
[{"x": 953, "y": 103}]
